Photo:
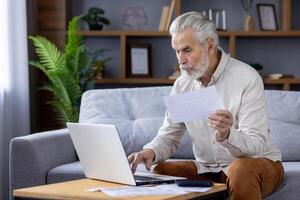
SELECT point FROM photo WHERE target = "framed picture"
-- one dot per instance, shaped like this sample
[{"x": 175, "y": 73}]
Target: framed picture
[
  {"x": 267, "y": 17},
  {"x": 139, "y": 60}
]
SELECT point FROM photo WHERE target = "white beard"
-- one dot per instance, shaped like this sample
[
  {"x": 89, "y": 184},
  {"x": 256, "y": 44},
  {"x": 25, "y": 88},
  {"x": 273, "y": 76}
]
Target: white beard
[{"x": 197, "y": 71}]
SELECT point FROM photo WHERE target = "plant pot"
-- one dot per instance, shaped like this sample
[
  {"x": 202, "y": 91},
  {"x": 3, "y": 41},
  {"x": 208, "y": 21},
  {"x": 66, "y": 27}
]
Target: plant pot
[{"x": 95, "y": 27}]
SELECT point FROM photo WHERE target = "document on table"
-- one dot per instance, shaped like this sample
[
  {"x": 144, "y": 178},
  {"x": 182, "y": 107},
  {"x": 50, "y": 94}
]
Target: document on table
[
  {"x": 191, "y": 106},
  {"x": 164, "y": 189}
]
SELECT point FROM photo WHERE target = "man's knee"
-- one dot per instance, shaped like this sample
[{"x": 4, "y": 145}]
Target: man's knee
[
  {"x": 186, "y": 169},
  {"x": 161, "y": 168},
  {"x": 241, "y": 168},
  {"x": 242, "y": 181}
]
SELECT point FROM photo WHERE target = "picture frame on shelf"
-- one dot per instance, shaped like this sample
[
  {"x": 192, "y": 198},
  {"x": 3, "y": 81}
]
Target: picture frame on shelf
[
  {"x": 267, "y": 17},
  {"x": 139, "y": 59}
]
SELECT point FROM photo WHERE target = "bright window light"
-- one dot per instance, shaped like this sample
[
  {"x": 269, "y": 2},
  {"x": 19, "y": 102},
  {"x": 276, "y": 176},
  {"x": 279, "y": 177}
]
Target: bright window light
[{"x": 4, "y": 47}]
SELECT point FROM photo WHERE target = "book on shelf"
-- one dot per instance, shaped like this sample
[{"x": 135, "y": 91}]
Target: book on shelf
[
  {"x": 163, "y": 18},
  {"x": 170, "y": 14}
]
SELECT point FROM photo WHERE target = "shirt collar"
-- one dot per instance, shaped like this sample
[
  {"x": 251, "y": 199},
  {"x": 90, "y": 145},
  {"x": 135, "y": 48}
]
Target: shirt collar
[{"x": 221, "y": 66}]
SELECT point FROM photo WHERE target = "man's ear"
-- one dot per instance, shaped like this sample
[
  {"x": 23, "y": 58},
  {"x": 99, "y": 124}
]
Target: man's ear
[{"x": 210, "y": 47}]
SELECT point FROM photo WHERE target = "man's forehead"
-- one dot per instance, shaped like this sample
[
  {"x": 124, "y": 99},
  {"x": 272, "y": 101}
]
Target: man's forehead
[
  {"x": 180, "y": 45},
  {"x": 183, "y": 39}
]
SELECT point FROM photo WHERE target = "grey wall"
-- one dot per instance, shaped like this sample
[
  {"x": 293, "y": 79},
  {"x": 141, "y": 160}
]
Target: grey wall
[
  {"x": 116, "y": 9},
  {"x": 277, "y": 55},
  {"x": 295, "y": 14}
]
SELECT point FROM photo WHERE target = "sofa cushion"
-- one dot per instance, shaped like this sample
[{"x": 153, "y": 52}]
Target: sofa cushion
[
  {"x": 286, "y": 136},
  {"x": 131, "y": 104},
  {"x": 144, "y": 130},
  {"x": 66, "y": 172},
  {"x": 291, "y": 183},
  {"x": 283, "y": 111}
]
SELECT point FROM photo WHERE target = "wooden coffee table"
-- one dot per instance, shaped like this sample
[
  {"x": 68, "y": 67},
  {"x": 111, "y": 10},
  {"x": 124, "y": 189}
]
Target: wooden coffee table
[{"x": 76, "y": 190}]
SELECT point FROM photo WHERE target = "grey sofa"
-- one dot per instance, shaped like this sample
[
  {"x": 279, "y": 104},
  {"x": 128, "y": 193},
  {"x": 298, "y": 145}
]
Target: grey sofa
[{"x": 49, "y": 157}]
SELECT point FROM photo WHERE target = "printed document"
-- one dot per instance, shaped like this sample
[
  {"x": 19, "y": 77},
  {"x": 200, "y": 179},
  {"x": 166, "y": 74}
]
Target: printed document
[
  {"x": 192, "y": 106},
  {"x": 164, "y": 189}
]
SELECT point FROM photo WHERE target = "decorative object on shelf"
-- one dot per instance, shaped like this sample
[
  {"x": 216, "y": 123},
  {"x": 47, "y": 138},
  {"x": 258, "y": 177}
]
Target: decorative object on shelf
[
  {"x": 176, "y": 72},
  {"x": 267, "y": 17},
  {"x": 170, "y": 14},
  {"x": 166, "y": 16},
  {"x": 249, "y": 21},
  {"x": 69, "y": 73},
  {"x": 135, "y": 18},
  {"x": 163, "y": 18},
  {"x": 139, "y": 60},
  {"x": 218, "y": 16},
  {"x": 95, "y": 18},
  {"x": 98, "y": 69},
  {"x": 278, "y": 76}
]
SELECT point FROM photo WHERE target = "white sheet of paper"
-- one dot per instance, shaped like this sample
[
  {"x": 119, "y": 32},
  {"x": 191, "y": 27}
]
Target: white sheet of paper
[
  {"x": 191, "y": 106},
  {"x": 141, "y": 191},
  {"x": 164, "y": 189},
  {"x": 186, "y": 189}
]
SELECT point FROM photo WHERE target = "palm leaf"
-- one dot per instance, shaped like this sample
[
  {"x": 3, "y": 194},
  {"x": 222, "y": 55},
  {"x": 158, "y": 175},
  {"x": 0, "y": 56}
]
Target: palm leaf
[
  {"x": 56, "y": 91},
  {"x": 73, "y": 90},
  {"x": 74, "y": 39},
  {"x": 48, "y": 54},
  {"x": 73, "y": 61},
  {"x": 57, "y": 82},
  {"x": 62, "y": 114}
]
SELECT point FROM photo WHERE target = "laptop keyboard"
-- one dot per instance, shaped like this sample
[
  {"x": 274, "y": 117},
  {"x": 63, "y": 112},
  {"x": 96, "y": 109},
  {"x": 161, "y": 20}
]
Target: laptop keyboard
[{"x": 145, "y": 178}]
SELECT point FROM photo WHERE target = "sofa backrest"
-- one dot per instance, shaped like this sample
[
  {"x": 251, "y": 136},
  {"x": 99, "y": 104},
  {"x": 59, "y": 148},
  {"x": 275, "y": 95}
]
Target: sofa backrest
[
  {"x": 138, "y": 114},
  {"x": 283, "y": 111}
]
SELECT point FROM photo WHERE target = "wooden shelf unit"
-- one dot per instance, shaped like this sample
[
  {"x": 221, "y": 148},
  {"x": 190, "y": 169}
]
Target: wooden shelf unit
[
  {"x": 232, "y": 37},
  {"x": 285, "y": 82}
]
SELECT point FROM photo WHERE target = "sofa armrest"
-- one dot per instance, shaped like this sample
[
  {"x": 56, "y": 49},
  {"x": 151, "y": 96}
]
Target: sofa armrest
[{"x": 31, "y": 157}]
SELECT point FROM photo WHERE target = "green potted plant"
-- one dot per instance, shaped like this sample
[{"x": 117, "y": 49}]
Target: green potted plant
[
  {"x": 256, "y": 66},
  {"x": 95, "y": 18},
  {"x": 68, "y": 72}
]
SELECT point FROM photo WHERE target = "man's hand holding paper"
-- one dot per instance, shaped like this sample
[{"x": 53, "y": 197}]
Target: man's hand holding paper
[{"x": 192, "y": 106}]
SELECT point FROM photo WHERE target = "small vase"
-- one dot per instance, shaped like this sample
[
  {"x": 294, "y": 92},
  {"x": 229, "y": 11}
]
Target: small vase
[{"x": 249, "y": 23}]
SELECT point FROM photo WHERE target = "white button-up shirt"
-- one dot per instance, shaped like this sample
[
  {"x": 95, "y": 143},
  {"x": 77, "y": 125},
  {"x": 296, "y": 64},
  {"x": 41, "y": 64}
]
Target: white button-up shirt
[{"x": 241, "y": 90}]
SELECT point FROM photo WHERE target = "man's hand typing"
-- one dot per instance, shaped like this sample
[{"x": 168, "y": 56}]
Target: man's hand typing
[{"x": 145, "y": 156}]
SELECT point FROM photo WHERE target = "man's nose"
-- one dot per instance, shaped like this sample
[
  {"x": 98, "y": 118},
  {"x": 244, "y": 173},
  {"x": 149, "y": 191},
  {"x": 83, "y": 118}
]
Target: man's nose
[{"x": 181, "y": 59}]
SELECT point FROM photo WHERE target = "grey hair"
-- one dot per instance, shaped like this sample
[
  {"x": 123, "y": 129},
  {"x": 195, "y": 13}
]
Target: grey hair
[{"x": 202, "y": 27}]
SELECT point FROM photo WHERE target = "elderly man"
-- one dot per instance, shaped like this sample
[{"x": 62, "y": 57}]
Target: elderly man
[{"x": 233, "y": 145}]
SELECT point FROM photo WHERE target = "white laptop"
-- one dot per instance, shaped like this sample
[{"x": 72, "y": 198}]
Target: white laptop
[{"x": 102, "y": 156}]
